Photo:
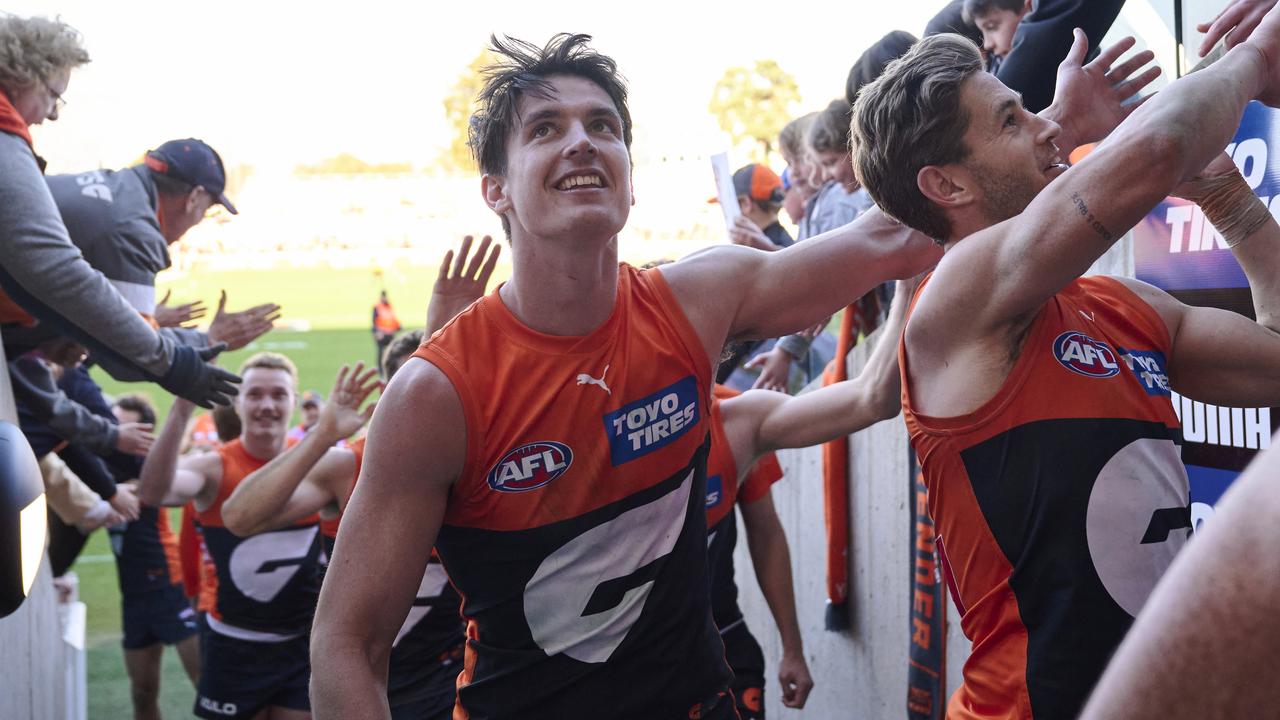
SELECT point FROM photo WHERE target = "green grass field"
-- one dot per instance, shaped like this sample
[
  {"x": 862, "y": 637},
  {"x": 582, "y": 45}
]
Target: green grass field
[{"x": 335, "y": 305}]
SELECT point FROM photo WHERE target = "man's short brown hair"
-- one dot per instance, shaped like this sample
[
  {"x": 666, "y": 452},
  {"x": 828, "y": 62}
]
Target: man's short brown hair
[
  {"x": 270, "y": 361},
  {"x": 524, "y": 68},
  {"x": 909, "y": 118},
  {"x": 399, "y": 351}
]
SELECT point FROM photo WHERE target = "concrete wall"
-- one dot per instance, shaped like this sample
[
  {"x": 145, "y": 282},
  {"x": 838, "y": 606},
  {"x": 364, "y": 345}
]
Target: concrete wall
[
  {"x": 32, "y": 655},
  {"x": 861, "y": 673}
]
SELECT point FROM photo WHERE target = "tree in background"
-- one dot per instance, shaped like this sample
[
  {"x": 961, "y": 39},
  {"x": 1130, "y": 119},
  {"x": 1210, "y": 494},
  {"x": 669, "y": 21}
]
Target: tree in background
[
  {"x": 348, "y": 164},
  {"x": 754, "y": 104},
  {"x": 458, "y": 107}
]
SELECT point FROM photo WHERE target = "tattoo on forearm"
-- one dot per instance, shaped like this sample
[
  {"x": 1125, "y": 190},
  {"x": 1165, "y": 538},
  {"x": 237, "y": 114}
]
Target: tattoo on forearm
[{"x": 1093, "y": 222}]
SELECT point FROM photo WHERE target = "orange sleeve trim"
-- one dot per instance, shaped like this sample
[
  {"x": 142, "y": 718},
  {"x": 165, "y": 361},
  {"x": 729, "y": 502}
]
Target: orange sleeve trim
[
  {"x": 762, "y": 477},
  {"x": 1148, "y": 313}
]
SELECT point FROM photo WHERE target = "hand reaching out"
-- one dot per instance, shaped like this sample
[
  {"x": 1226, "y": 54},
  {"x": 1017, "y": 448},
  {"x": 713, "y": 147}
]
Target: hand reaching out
[
  {"x": 747, "y": 233},
  {"x": 1236, "y": 21},
  {"x": 238, "y": 329},
  {"x": 456, "y": 288},
  {"x": 1093, "y": 96},
  {"x": 775, "y": 369},
  {"x": 125, "y": 501},
  {"x": 135, "y": 438},
  {"x": 342, "y": 415},
  {"x": 183, "y": 316}
]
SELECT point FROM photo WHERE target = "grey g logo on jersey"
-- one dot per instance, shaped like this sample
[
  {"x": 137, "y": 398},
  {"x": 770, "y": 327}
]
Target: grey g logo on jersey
[
  {"x": 1138, "y": 519},
  {"x": 262, "y": 565}
]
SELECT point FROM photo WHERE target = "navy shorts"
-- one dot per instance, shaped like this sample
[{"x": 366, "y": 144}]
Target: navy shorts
[
  {"x": 747, "y": 660},
  {"x": 157, "y": 616},
  {"x": 241, "y": 677}
]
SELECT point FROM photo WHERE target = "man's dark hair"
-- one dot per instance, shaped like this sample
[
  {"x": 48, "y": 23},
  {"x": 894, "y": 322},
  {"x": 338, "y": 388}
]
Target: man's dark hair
[
  {"x": 973, "y": 9},
  {"x": 909, "y": 118},
  {"x": 139, "y": 404},
  {"x": 830, "y": 129},
  {"x": 526, "y": 68},
  {"x": 399, "y": 351},
  {"x": 871, "y": 64},
  {"x": 168, "y": 186}
]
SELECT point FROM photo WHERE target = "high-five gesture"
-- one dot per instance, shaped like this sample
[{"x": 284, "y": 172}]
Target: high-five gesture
[
  {"x": 183, "y": 316},
  {"x": 238, "y": 329},
  {"x": 342, "y": 415},
  {"x": 1236, "y": 21},
  {"x": 457, "y": 288},
  {"x": 1092, "y": 97}
]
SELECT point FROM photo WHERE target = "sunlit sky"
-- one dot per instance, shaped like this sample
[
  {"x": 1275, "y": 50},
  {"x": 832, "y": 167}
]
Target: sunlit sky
[{"x": 274, "y": 84}]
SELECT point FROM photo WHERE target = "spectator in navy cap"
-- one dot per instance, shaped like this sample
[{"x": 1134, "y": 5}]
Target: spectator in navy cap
[
  {"x": 760, "y": 198},
  {"x": 124, "y": 221}
]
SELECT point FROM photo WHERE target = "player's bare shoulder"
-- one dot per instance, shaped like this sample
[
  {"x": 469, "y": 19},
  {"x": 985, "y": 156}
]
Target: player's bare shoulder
[{"x": 419, "y": 422}]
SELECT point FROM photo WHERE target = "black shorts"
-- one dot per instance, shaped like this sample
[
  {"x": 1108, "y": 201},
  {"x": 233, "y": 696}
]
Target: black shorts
[
  {"x": 241, "y": 677},
  {"x": 747, "y": 660},
  {"x": 428, "y": 692},
  {"x": 157, "y": 616}
]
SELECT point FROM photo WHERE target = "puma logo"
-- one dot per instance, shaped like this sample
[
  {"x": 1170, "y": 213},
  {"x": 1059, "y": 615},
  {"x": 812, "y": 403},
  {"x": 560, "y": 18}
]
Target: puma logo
[{"x": 585, "y": 379}]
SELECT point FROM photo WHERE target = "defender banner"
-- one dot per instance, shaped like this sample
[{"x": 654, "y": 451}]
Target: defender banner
[
  {"x": 927, "y": 673},
  {"x": 1175, "y": 249}
]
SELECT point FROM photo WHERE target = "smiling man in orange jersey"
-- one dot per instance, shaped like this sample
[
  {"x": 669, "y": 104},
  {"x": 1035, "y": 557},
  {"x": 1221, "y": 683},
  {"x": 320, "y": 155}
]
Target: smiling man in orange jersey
[
  {"x": 1038, "y": 400},
  {"x": 254, "y": 655}
]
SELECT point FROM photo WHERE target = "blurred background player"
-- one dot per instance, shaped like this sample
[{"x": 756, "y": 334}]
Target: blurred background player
[
  {"x": 254, "y": 654},
  {"x": 385, "y": 327},
  {"x": 155, "y": 611}
]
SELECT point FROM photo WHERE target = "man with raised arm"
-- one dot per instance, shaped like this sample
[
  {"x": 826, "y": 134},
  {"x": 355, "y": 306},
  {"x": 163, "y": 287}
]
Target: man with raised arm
[
  {"x": 254, "y": 655},
  {"x": 316, "y": 476},
  {"x": 1037, "y": 400},
  {"x": 551, "y": 440}
]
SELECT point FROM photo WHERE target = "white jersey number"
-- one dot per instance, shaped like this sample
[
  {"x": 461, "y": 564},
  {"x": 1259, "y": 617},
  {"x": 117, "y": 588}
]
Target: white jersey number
[{"x": 556, "y": 598}]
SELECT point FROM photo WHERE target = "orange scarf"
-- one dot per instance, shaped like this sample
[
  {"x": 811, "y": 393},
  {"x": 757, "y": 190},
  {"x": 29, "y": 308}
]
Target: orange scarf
[
  {"x": 861, "y": 315},
  {"x": 12, "y": 123}
]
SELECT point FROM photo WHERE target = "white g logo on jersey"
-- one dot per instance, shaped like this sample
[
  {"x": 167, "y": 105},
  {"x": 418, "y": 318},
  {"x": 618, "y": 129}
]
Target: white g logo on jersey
[
  {"x": 1137, "y": 498},
  {"x": 433, "y": 582},
  {"x": 557, "y": 594},
  {"x": 262, "y": 565}
]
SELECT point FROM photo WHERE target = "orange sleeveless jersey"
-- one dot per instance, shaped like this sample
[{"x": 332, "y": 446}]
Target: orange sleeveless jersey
[
  {"x": 576, "y": 531},
  {"x": 723, "y": 488},
  {"x": 267, "y": 582},
  {"x": 1058, "y": 503}
]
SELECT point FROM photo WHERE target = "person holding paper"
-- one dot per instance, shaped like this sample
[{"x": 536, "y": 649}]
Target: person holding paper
[{"x": 759, "y": 197}]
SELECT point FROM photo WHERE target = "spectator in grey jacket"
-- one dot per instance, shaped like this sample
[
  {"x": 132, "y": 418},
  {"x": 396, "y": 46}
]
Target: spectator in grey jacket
[
  {"x": 40, "y": 269},
  {"x": 124, "y": 221},
  {"x": 831, "y": 207}
]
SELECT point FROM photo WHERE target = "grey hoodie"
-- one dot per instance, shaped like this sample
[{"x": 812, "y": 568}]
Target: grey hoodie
[{"x": 44, "y": 272}]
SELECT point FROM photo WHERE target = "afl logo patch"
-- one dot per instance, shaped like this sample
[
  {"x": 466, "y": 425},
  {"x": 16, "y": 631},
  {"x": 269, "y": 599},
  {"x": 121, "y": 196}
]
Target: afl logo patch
[
  {"x": 1083, "y": 355},
  {"x": 530, "y": 466}
]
